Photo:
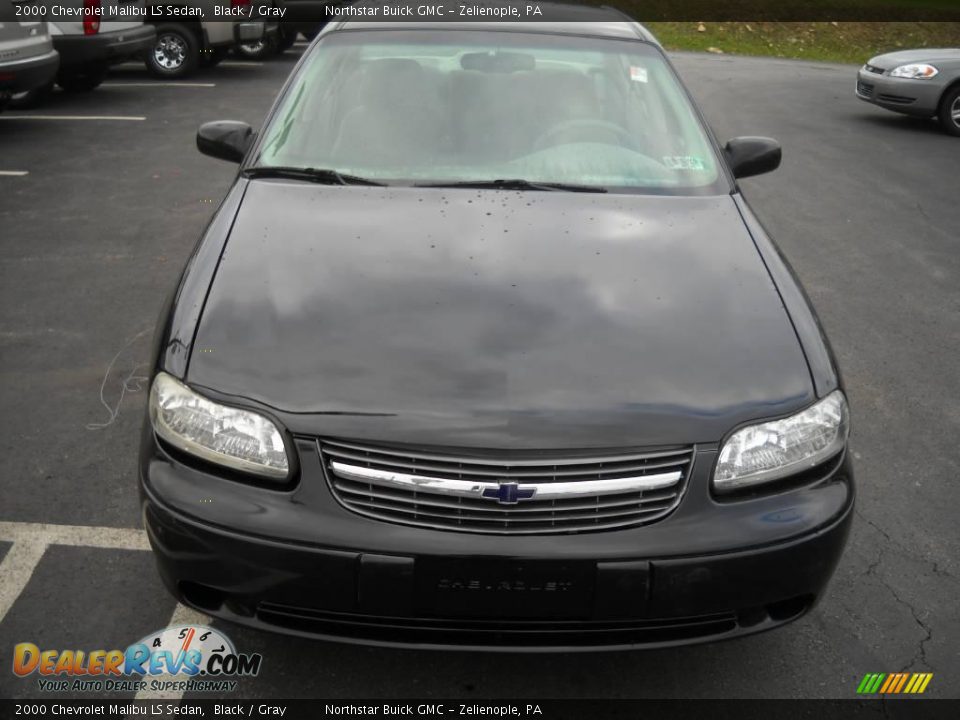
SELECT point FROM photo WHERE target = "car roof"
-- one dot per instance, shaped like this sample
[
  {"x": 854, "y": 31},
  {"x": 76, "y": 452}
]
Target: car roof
[{"x": 566, "y": 19}]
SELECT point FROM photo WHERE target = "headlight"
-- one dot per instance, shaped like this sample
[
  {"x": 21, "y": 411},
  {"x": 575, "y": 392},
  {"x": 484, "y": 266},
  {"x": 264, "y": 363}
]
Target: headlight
[
  {"x": 915, "y": 71},
  {"x": 237, "y": 439},
  {"x": 772, "y": 450}
]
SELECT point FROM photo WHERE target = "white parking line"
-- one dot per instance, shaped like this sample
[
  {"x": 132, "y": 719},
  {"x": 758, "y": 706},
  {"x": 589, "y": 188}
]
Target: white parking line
[
  {"x": 79, "y": 535},
  {"x": 8, "y": 116},
  {"x": 182, "y": 615},
  {"x": 14, "y": 173},
  {"x": 240, "y": 63},
  {"x": 16, "y": 570},
  {"x": 30, "y": 541},
  {"x": 158, "y": 84}
]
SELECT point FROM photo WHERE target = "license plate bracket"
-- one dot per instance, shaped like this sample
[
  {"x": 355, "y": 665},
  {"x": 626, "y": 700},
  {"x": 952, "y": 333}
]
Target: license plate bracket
[{"x": 505, "y": 589}]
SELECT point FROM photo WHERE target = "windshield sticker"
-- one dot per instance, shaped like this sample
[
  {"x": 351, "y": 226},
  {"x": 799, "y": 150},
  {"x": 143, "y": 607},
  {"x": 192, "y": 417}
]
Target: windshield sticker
[
  {"x": 638, "y": 74},
  {"x": 683, "y": 162}
]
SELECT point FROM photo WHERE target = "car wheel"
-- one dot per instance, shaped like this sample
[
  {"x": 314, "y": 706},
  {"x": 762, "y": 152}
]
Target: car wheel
[
  {"x": 176, "y": 52},
  {"x": 950, "y": 111},
  {"x": 32, "y": 98},
  {"x": 257, "y": 50},
  {"x": 81, "y": 80}
]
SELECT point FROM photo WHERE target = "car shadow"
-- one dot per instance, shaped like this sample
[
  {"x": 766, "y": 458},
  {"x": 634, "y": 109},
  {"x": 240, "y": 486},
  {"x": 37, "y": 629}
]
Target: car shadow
[{"x": 904, "y": 123}]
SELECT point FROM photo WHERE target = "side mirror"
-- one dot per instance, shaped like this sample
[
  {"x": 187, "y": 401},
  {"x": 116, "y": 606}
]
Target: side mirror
[
  {"x": 225, "y": 139},
  {"x": 750, "y": 156}
]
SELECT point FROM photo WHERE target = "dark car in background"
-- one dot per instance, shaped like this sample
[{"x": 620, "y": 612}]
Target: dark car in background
[{"x": 485, "y": 349}]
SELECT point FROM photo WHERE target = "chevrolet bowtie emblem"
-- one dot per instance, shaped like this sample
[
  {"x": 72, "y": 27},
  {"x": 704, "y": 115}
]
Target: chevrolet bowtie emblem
[{"x": 509, "y": 493}]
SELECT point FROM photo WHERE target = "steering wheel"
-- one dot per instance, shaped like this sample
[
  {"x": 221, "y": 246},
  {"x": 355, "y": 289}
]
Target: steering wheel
[{"x": 550, "y": 137}]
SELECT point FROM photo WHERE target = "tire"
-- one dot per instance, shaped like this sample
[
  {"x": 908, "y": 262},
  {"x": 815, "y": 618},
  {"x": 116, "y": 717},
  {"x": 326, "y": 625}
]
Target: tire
[
  {"x": 285, "y": 39},
  {"x": 213, "y": 56},
  {"x": 259, "y": 50},
  {"x": 176, "y": 52},
  {"x": 32, "y": 98},
  {"x": 84, "y": 80},
  {"x": 949, "y": 113}
]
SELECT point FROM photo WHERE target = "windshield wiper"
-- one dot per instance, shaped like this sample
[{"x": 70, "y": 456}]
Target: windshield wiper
[
  {"x": 517, "y": 184},
  {"x": 318, "y": 175}
]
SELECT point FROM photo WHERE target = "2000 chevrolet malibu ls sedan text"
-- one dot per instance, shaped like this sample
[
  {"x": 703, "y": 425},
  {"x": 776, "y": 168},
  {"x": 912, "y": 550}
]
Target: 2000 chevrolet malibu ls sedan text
[{"x": 484, "y": 349}]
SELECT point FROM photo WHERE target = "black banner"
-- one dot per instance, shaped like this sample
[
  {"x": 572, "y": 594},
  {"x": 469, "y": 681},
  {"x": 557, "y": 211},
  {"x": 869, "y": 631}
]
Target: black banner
[
  {"x": 490, "y": 709},
  {"x": 480, "y": 10}
]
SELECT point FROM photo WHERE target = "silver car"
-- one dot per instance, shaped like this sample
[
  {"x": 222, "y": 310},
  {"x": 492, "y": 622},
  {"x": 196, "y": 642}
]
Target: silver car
[
  {"x": 925, "y": 83},
  {"x": 27, "y": 57}
]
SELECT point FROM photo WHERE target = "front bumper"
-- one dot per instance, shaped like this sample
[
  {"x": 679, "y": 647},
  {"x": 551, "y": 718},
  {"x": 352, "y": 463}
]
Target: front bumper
[
  {"x": 105, "y": 48},
  {"x": 298, "y": 563},
  {"x": 912, "y": 97}
]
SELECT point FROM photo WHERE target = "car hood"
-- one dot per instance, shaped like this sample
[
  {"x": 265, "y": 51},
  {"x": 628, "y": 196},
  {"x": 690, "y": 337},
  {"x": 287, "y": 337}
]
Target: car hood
[
  {"x": 497, "y": 319},
  {"x": 903, "y": 57}
]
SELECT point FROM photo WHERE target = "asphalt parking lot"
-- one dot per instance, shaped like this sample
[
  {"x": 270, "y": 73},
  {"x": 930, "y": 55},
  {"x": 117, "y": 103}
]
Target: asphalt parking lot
[{"x": 97, "y": 217}]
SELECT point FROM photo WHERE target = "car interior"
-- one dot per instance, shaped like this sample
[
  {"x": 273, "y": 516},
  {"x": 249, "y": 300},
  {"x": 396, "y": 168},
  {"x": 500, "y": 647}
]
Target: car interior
[{"x": 556, "y": 116}]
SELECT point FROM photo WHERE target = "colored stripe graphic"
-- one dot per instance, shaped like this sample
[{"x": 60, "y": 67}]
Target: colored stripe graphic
[
  {"x": 894, "y": 683},
  {"x": 891, "y": 680}
]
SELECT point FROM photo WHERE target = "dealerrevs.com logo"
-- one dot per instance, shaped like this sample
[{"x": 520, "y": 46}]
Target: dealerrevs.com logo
[{"x": 182, "y": 658}]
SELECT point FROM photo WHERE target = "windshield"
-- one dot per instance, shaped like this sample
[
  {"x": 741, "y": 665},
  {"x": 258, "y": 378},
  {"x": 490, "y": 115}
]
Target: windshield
[{"x": 446, "y": 107}]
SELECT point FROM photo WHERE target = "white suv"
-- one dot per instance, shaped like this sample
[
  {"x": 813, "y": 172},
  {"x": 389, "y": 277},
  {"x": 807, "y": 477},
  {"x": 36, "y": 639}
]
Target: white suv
[{"x": 27, "y": 58}]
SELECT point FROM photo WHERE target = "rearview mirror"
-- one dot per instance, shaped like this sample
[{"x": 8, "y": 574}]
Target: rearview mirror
[
  {"x": 750, "y": 156},
  {"x": 225, "y": 139}
]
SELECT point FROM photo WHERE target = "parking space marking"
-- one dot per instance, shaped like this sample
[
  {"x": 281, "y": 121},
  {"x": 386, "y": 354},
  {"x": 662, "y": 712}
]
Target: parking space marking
[
  {"x": 182, "y": 615},
  {"x": 30, "y": 541},
  {"x": 76, "y": 535},
  {"x": 240, "y": 63},
  {"x": 14, "y": 116},
  {"x": 14, "y": 173},
  {"x": 158, "y": 84},
  {"x": 16, "y": 570}
]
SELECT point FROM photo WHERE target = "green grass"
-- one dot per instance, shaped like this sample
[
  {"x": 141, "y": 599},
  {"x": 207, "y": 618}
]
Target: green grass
[{"x": 842, "y": 42}]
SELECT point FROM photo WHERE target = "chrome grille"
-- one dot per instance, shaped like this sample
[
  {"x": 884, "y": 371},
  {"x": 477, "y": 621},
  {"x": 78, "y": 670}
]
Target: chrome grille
[{"x": 506, "y": 493}]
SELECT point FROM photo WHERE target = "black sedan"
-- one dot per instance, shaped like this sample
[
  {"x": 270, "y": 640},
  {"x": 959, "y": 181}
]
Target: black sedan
[{"x": 485, "y": 349}]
